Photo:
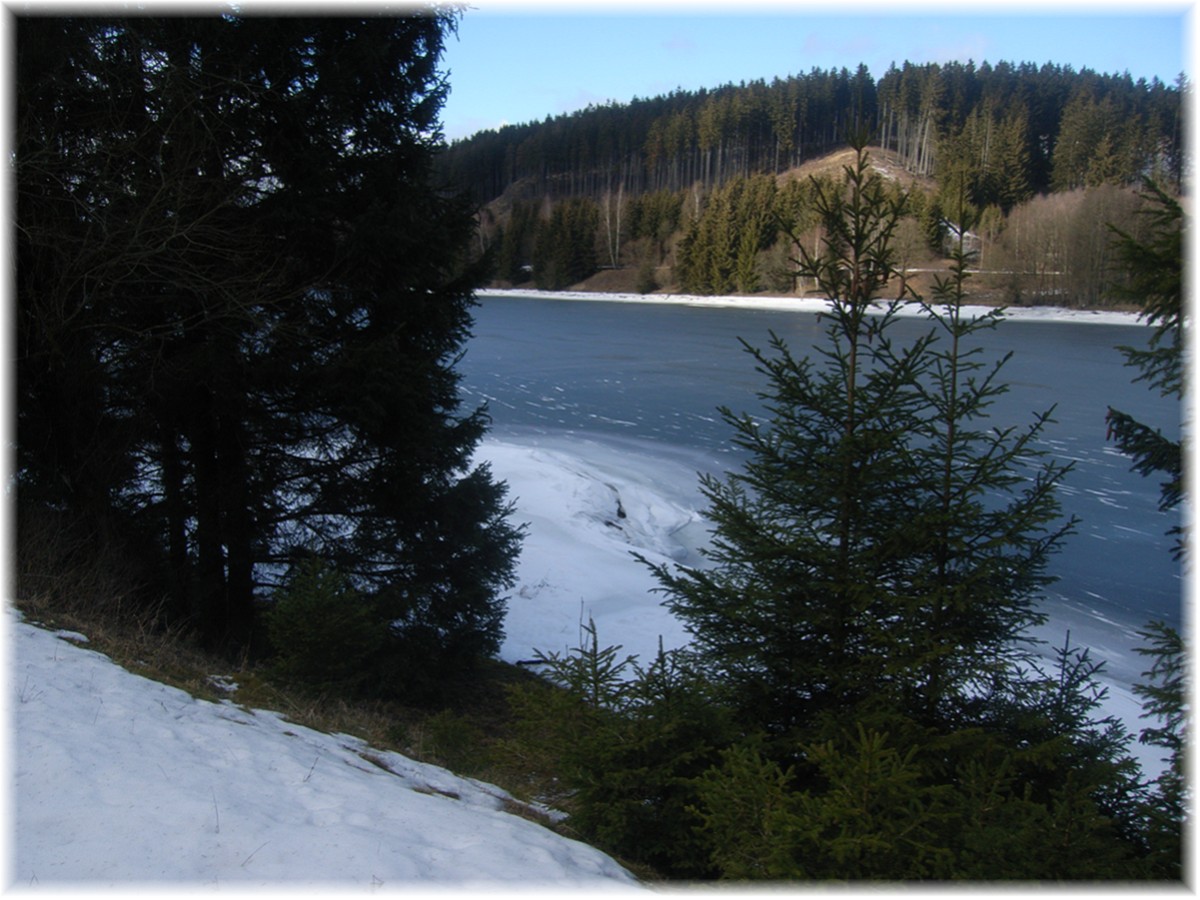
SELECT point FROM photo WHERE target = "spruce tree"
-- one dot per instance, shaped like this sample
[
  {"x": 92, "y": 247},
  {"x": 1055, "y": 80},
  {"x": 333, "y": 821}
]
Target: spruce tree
[
  {"x": 984, "y": 521},
  {"x": 1154, "y": 268},
  {"x": 882, "y": 550},
  {"x": 230, "y": 236},
  {"x": 875, "y": 566},
  {"x": 803, "y": 561},
  {"x": 564, "y": 250},
  {"x": 1165, "y": 698},
  {"x": 629, "y": 742}
]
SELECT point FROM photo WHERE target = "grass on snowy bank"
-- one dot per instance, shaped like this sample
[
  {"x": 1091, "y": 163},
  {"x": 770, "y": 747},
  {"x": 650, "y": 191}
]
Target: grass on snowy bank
[{"x": 82, "y": 582}]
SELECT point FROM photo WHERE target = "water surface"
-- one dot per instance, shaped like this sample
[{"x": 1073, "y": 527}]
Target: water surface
[{"x": 652, "y": 376}]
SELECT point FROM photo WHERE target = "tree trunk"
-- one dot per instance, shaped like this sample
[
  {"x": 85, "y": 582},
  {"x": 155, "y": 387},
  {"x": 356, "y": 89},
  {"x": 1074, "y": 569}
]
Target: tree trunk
[
  {"x": 209, "y": 597},
  {"x": 175, "y": 510},
  {"x": 238, "y": 532}
]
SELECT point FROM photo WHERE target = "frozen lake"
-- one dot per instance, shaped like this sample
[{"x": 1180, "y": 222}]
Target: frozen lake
[{"x": 634, "y": 388}]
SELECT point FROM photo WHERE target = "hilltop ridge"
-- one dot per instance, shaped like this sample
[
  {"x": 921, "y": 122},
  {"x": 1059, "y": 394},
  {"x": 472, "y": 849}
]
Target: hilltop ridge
[{"x": 705, "y": 191}]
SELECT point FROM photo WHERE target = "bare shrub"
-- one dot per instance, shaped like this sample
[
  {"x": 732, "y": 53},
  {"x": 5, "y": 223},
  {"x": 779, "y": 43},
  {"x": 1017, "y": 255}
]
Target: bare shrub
[
  {"x": 84, "y": 578},
  {"x": 64, "y": 569},
  {"x": 1057, "y": 247}
]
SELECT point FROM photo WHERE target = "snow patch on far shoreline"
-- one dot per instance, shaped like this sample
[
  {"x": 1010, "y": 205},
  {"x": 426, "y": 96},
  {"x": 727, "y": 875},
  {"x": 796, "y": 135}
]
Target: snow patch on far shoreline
[{"x": 813, "y": 305}]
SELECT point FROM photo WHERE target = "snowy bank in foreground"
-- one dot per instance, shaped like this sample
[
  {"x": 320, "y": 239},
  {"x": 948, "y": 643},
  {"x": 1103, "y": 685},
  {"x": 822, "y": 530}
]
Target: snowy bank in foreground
[
  {"x": 817, "y": 304},
  {"x": 123, "y": 781}
]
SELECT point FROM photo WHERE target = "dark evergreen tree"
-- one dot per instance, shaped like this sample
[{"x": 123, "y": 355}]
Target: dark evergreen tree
[
  {"x": 872, "y": 707},
  {"x": 565, "y": 244},
  {"x": 514, "y": 258},
  {"x": 1010, "y": 179},
  {"x": 141, "y": 249},
  {"x": 323, "y": 630},
  {"x": 721, "y": 247},
  {"x": 880, "y": 548},
  {"x": 1154, "y": 267},
  {"x": 629, "y": 742},
  {"x": 983, "y": 523},
  {"x": 231, "y": 225},
  {"x": 876, "y": 564},
  {"x": 787, "y": 617},
  {"x": 654, "y": 217},
  {"x": 1165, "y": 696},
  {"x": 970, "y": 805}
]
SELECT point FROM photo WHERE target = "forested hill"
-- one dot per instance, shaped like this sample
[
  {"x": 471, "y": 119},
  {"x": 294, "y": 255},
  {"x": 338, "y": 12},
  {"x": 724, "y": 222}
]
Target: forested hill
[
  {"x": 1021, "y": 129},
  {"x": 688, "y": 191}
]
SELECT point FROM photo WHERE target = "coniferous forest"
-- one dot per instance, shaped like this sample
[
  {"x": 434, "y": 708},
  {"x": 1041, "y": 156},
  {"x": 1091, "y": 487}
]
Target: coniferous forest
[
  {"x": 687, "y": 190},
  {"x": 245, "y": 268},
  {"x": 227, "y": 360}
]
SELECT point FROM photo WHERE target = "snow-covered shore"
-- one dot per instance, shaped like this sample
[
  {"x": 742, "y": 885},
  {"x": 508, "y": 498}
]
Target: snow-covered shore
[{"x": 817, "y": 304}]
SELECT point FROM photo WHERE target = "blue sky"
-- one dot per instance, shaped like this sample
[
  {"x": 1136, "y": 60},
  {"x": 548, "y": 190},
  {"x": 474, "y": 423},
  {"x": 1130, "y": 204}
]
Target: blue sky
[{"x": 517, "y": 62}]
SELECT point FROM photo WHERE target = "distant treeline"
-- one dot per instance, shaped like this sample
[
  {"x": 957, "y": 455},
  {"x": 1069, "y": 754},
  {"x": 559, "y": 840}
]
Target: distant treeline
[{"x": 1010, "y": 131}]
